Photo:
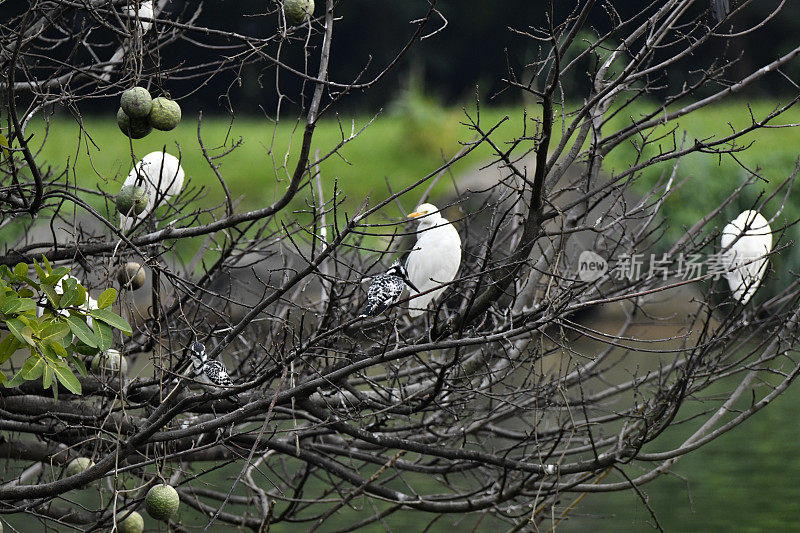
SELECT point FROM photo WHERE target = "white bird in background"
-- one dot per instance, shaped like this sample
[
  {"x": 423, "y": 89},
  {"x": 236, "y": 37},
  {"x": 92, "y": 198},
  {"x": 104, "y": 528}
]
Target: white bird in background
[
  {"x": 435, "y": 258},
  {"x": 162, "y": 177},
  {"x": 88, "y": 304},
  {"x": 145, "y": 11},
  {"x": 747, "y": 253},
  {"x": 720, "y": 9}
]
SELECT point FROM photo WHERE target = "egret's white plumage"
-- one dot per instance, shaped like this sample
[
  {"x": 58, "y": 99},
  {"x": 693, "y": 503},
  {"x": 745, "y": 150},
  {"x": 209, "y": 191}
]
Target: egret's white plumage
[
  {"x": 436, "y": 256},
  {"x": 88, "y": 304},
  {"x": 145, "y": 11},
  {"x": 747, "y": 253},
  {"x": 162, "y": 177}
]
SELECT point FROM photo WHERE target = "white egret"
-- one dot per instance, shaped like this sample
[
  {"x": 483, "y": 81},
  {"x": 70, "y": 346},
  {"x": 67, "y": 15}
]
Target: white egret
[
  {"x": 162, "y": 177},
  {"x": 750, "y": 240},
  {"x": 145, "y": 11},
  {"x": 435, "y": 258},
  {"x": 720, "y": 9},
  {"x": 88, "y": 304}
]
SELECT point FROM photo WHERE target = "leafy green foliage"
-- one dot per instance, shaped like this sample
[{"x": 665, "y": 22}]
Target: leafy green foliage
[{"x": 51, "y": 318}]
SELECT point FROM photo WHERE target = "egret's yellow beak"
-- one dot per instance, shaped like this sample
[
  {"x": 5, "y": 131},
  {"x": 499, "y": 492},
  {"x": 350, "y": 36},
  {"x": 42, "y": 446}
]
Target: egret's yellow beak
[{"x": 416, "y": 214}]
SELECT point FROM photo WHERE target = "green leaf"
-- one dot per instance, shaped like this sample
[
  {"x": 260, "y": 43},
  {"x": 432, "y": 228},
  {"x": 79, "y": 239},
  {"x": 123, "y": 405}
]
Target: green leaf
[
  {"x": 78, "y": 364},
  {"x": 54, "y": 332},
  {"x": 8, "y": 346},
  {"x": 47, "y": 264},
  {"x": 56, "y": 275},
  {"x": 30, "y": 282},
  {"x": 67, "y": 378},
  {"x": 48, "y": 353},
  {"x": 33, "y": 367},
  {"x": 59, "y": 349},
  {"x": 4, "y": 145},
  {"x": 84, "y": 349},
  {"x": 21, "y": 270},
  {"x": 47, "y": 378},
  {"x": 11, "y": 305},
  {"x": 40, "y": 272},
  {"x": 104, "y": 335},
  {"x": 107, "y": 298},
  {"x": 20, "y": 330},
  {"x": 81, "y": 296},
  {"x": 15, "y": 381},
  {"x": 112, "y": 319},
  {"x": 2, "y": 377},
  {"x": 82, "y": 331},
  {"x": 52, "y": 295},
  {"x": 25, "y": 292},
  {"x": 26, "y": 304},
  {"x": 68, "y": 298}
]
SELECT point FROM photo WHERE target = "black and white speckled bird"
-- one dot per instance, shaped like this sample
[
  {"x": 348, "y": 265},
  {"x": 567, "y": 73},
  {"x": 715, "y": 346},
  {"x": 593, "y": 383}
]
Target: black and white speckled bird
[
  {"x": 208, "y": 371},
  {"x": 386, "y": 289}
]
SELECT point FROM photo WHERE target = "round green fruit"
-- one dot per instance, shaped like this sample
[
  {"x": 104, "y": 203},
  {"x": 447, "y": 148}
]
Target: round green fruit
[
  {"x": 131, "y": 275},
  {"x": 133, "y": 523},
  {"x": 162, "y": 502},
  {"x": 132, "y": 200},
  {"x": 165, "y": 114},
  {"x": 78, "y": 465},
  {"x": 135, "y": 128},
  {"x": 298, "y": 11},
  {"x": 111, "y": 361},
  {"x": 136, "y": 102}
]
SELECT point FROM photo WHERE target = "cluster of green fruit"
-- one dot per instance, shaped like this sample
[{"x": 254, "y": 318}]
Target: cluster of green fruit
[
  {"x": 139, "y": 113},
  {"x": 162, "y": 501}
]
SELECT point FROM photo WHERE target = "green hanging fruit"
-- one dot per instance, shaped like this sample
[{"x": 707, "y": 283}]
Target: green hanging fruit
[
  {"x": 131, "y": 275},
  {"x": 165, "y": 114},
  {"x": 162, "y": 502},
  {"x": 136, "y": 102},
  {"x": 135, "y": 128},
  {"x": 132, "y": 200},
  {"x": 298, "y": 11}
]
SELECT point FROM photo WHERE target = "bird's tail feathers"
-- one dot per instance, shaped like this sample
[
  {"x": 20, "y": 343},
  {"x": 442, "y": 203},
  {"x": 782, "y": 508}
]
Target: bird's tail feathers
[{"x": 372, "y": 309}]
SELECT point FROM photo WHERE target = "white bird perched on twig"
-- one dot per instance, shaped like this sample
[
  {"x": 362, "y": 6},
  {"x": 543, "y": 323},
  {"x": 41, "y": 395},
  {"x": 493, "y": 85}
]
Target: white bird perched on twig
[
  {"x": 162, "y": 177},
  {"x": 386, "y": 289},
  {"x": 436, "y": 256},
  {"x": 748, "y": 240}
]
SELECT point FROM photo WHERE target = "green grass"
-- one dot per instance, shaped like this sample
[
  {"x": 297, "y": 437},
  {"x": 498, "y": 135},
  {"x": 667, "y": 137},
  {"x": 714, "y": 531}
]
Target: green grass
[
  {"x": 400, "y": 146},
  {"x": 412, "y": 139},
  {"x": 392, "y": 149}
]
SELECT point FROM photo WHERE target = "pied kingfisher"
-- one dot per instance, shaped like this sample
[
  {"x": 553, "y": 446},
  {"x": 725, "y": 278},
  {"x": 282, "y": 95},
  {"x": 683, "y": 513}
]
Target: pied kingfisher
[
  {"x": 208, "y": 371},
  {"x": 386, "y": 289}
]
